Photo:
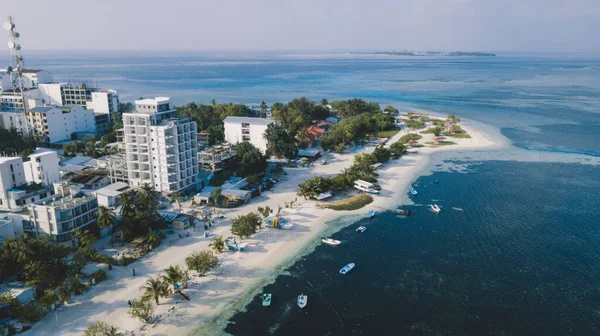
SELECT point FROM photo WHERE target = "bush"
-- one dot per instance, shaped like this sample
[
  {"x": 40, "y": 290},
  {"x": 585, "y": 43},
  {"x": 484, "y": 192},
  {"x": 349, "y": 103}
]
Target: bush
[
  {"x": 202, "y": 262},
  {"x": 22, "y": 312},
  {"x": 142, "y": 310},
  {"x": 397, "y": 149},
  {"x": 245, "y": 225},
  {"x": 410, "y": 137},
  {"x": 102, "y": 329},
  {"x": 48, "y": 299},
  {"x": 99, "y": 275},
  {"x": 381, "y": 154},
  {"x": 351, "y": 203}
]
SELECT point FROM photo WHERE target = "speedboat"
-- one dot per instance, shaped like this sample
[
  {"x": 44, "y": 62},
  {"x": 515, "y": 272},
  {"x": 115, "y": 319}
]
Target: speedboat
[
  {"x": 435, "y": 208},
  {"x": 266, "y": 300},
  {"x": 371, "y": 213},
  {"x": 347, "y": 268},
  {"x": 330, "y": 241},
  {"x": 361, "y": 229},
  {"x": 413, "y": 192},
  {"x": 302, "y": 300}
]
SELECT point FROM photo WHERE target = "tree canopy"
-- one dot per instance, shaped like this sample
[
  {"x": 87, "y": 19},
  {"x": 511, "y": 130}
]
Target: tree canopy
[
  {"x": 249, "y": 160},
  {"x": 245, "y": 225},
  {"x": 280, "y": 142},
  {"x": 353, "y": 128},
  {"x": 298, "y": 114}
]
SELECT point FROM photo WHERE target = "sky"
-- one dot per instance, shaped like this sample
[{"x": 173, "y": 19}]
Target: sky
[{"x": 439, "y": 25}]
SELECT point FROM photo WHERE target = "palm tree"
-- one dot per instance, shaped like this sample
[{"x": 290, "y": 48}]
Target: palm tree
[
  {"x": 218, "y": 244},
  {"x": 127, "y": 204},
  {"x": 263, "y": 108},
  {"x": 175, "y": 275},
  {"x": 105, "y": 219},
  {"x": 176, "y": 196},
  {"x": 147, "y": 197},
  {"x": 324, "y": 102},
  {"x": 85, "y": 238},
  {"x": 90, "y": 148},
  {"x": 155, "y": 288}
]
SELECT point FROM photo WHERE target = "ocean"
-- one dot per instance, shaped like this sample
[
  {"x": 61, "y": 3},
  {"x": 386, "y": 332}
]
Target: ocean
[{"x": 515, "y": 248}]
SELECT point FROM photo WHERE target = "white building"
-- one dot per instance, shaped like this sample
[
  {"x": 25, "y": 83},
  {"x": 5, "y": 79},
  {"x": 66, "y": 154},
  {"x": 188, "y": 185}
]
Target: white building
[
  {"x": 109, "y": 196},
  {"x": 42, "y": 167},
  {"x": 238, "y": 129},
  {"x": 33, "y": 78},
  {"x": 15, "y": 193},
  {"x": 54, "y": 124},
  {"x": 61, "y": 214},
  {"x": 161, "y": 149}
]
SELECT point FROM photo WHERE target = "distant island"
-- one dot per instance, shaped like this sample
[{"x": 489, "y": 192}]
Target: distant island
[{"x": 426, "y": 53}]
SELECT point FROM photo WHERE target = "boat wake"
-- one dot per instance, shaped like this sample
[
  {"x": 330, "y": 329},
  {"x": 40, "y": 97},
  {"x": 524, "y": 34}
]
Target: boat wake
[{"x": 457, "y": 209}]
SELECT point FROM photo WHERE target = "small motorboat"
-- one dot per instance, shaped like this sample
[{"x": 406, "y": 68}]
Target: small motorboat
[
  {"x": 347, "y": 268},
  {"x": 413, "y": 192},
  {"x": 302, "y": 300},
  {"x": 371, "y": 213},
  {"x": 436, "y": 182},
  {"x": 435, "y": 208},
  {"x": 266, "y": 300},
  {"x": 361, "y": 229},
  {"x": 330, "y": 241}
]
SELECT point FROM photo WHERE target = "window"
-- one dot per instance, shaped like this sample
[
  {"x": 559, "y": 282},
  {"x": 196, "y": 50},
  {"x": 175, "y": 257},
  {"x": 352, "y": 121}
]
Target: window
[
  {"x": 245, "y": 138},
  {"x": 245, "y": 125}
]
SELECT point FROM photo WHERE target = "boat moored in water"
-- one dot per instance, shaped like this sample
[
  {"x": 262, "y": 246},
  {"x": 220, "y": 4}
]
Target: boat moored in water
[
  {"x": 435, "y": 208},
  {"x": 330, "y": 241},
  {"x": 266, "y": 299},
  {"x": 413, "y": 192},
  {"x": 361, "y": 229},
  {"x": 347, "y": 268},
  {"x": 302, "y": 300},
  {"x": 371, "y": 213}
]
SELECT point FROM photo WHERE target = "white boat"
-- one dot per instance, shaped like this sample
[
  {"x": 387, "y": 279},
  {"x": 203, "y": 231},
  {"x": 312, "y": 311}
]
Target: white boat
[
  {"x": 371, "y": 213},
  {"x": 361, "y": 229},
  {"x": 365, "y": 186},
  {"x": 347, "y": 268},
  {"x": 413, "y": 191},
  {"x": 435, "y": 208},
  {"x": 266, "y": 300},
  {"x": 302, "y": 300},
  {"x": 330, "y": 241}
]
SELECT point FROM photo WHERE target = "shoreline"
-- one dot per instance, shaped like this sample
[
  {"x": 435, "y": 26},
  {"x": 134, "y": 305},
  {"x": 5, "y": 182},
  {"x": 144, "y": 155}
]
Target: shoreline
[{"x": 227, "y": 289}]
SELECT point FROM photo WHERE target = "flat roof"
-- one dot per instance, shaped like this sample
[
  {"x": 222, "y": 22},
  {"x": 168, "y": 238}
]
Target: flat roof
[
  {"x": 249, "y": 120},
  {"x": 153, "y": 101}
]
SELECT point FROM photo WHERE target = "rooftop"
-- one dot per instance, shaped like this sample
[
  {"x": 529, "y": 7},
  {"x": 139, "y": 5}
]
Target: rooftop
[
  {"x": 31, "y": 71},
  {"x": 153, "y": 101},
  {"x": 248, "y": 120},
  {"x": 41, "y": 109}
]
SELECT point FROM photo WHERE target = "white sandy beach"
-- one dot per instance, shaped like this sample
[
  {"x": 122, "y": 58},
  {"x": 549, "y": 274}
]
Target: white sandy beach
[{"x": 241, "y": 274}]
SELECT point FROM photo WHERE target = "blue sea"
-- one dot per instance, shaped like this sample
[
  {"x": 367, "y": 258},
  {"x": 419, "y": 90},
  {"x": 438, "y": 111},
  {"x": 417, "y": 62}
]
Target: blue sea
[{"x": 516, "y": 248}]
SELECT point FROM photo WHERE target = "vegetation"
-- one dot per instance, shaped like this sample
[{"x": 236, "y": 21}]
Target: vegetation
[
  {"x": 142, "y": 310},
  {"x": 280, "y": 142},
  {"x": 139, "y": 213},
  {"x": 354, "y": 107},
  {"x": 266, "y": 211},
  {"x": 202, "y": 262},
  {"x": 397, "y": 149},
  {"x": 155, "y": 288},
  {"x": 414, "y": 123},
  {"x": 102, "y": 329},
  {"x": 176, "y": 197},
  {"x": 387, "y": 134},
  {"x": 352, "y": 203},
  {"x": 381, "y": 154},
  {"x": 298, "y": 114},
  {"x": 12, "y": 142},
  {"x": 105, "y": 219},
  {"x": 38, "y": 261},
  {"x": 437, "y": 130},
  {"x": 209, "y": 118},
  {"x": 313, "y": 187},
  {"x": 22, "y": 312},
  {"x": 176, "y": 275},
  {"x": 354, "y": 128},
  {"x": 410, "y": 137},
  {"x": 218, "y": 244},
  {"x": 245, "y": 225},
  {"x": 391, "y": 109},
  {"x": 249, "y": 160},
  {"x": 454, "y": 118}
]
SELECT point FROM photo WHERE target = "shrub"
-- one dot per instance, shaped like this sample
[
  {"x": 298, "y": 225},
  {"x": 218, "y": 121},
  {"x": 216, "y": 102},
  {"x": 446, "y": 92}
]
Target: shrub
[
  {"x": 397, "y": 148},
  {"x": 202, "y": 262},
  {"x": 102, "y": 329},
  {"x": 381, "y": 154},
  {"x": 245, "y": 225},
  {"x": 142, "y": 310},
  {"x": 410, "y": 137},
  {"x": 99, "y": 275}
]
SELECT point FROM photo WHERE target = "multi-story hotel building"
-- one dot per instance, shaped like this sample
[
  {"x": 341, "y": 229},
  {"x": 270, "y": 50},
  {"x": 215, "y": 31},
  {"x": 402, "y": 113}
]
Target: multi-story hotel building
[{"x": 161, "y": 149}]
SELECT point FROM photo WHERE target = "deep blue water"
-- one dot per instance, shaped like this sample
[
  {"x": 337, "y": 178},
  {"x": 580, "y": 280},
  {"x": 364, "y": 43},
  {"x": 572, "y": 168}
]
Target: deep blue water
[
  {"x": 540, "y": 101},
  {"x": 514, "y": 251}
]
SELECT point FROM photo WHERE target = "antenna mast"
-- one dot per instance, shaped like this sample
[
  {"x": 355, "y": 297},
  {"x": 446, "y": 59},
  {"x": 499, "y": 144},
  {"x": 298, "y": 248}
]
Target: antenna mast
[{"x": 16, "y": 69}]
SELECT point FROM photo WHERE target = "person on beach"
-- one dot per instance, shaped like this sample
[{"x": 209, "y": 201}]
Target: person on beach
[
  {"x": 129, "y": 303},
  {"x": 133, "y": 271}
]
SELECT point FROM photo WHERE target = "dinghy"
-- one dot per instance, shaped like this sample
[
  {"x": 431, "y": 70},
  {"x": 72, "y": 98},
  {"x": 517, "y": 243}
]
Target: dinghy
[
  {"x": 302, "y": 300},
  {"x": 413, "y": 192},
  {"x": 330, "y": 241},
  {"x": 347, "y": 268},
  {"x": 435, "y": 208}
]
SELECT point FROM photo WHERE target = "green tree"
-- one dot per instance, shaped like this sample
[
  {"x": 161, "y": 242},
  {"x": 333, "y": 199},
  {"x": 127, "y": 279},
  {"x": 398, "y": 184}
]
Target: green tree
[
  {"x": 397, "y": 148},
  {"x": 147, "y": 197},
  {"x": 381, "y": 153},
  {"x": 280, "y": 142},
  {"x": 218, "y": 244},
  {"x": 314, "y": 186},
  {"x": 245, "y": 225},
  {"x": 102, "y": 329},
  {"x": 176, "y": 275},
  {"x": 202, "y": 262},
  {"x": 437, "y": 131},
  {"x": 105, "y": 219},
  {"x": 263, "y": 108},
  {"x": 142, "y": 310},
  {"x": 176, "y": 197},
  {"x": 324, "y": 102},
  {"x": 154, "y": 289},
  {"x": 266, "y": 211},
  {"x": 70, "y": 149},
  {"x": 391, "y": 109},
  {"x": 90, "y": 148},
  {"x": 249, "y": 160},
  {"x": 215, "y": 194}
]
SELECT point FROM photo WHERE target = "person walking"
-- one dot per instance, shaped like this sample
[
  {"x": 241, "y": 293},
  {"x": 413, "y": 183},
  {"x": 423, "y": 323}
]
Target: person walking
[{"x": 133, "y": 271}]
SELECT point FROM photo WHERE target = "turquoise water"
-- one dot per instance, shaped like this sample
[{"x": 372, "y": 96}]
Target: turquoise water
[
  {"x": 540, "y": 101},
  {"x": 514, "y": 251}
]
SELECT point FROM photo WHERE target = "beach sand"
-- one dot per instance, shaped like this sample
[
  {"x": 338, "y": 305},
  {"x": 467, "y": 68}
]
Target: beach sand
[{"x": 216, "y": 296}]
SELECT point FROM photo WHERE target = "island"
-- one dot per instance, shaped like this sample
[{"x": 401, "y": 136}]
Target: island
[{"x": 428, "y": 53}]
